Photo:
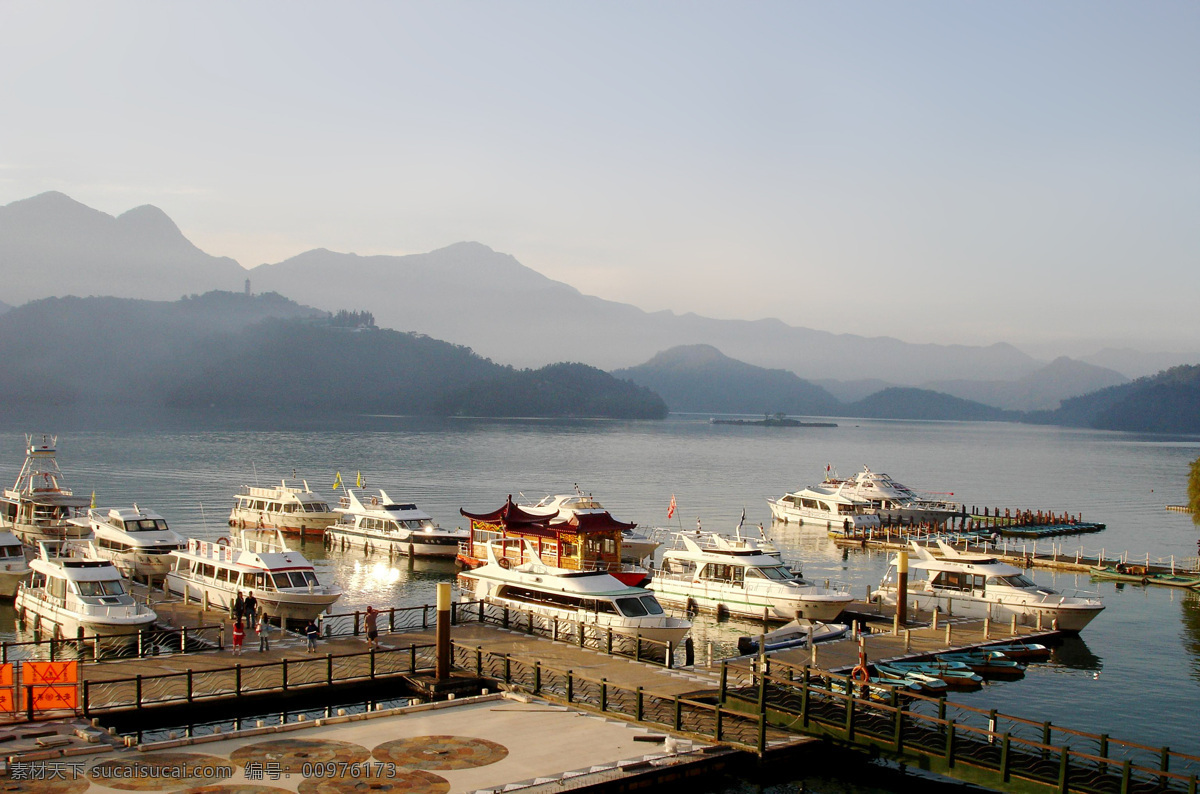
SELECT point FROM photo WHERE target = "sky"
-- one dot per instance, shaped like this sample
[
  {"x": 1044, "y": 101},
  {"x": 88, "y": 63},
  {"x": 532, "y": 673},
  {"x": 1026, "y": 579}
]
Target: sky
[{"x": 951, "y": 172}]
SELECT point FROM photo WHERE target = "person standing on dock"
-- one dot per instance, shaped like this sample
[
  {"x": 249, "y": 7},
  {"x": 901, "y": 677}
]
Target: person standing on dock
[
  {"x": 239, "y": 607},
  {"x": 372, "y": 627},
  {"x": 264, "y": 633},
  {"x": 239, "y": 636},
  {"x": 312, "y": 632},
  {"x": 250, "y": 609}
]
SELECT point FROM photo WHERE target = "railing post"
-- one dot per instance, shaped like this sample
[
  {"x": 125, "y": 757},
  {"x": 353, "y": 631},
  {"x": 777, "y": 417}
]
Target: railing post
[
  {"x": 507, "y": 669},
  {"x": 608, "y": 644},
  {"x": 537, "y": 677},
  {"x": 898, "y": 724},
  {"x": 950, "y": 744},
  {"x": 849, "y": 727},
  {"x": 1046, "y": 731},
  {"x": 137, "y": 691},
  {"x": 183, "y": 640},
  {"x": 678, "y": 714},
  {"x": 724, "y": 682},
  {"x": 412, "y": 657},
  {"x": 86, "y": 711},
  {"x": 603, "y": 695},
  {"x": 372, "y": 659},
  {"x": 356, "y": 623},
  {"x": 504, "y": 623},
  {"x": 329, "y": 669},
  {"x": 570, "y": 685},
  {"x": 52, "y": 643},
  {"x": 425, "y": 616},
  {"x": 1164, "y": 762},
  {"x": 640, "y": 703},
  {"x": 804, "y": 697},
  {"x": 1126, "y": 772},
  {"x": 1104, "y": 752},
  {"x": 1005, "y": 743},
  {"x": 190, "y": 690},
  {"x": 392, "y": 619},
  {"x": 479, "y": 661},
  {"x": 237, "y": 679},
  {"x": 1063, "y": 769},
  {"x": 717, "y": 721}
]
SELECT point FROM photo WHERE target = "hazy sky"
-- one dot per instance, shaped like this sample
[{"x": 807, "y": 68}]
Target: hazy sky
[{"x": 946, "y": 172}]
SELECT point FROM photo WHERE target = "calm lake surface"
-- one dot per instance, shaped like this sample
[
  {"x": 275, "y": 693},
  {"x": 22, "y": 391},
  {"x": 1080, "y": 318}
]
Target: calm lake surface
[{"x": 1135, "y": 674}]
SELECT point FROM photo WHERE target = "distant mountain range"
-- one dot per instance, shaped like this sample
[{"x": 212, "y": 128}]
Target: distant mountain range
[
  {"x": 1168, "y": 402},
  {"x": 468, "y": 294}
]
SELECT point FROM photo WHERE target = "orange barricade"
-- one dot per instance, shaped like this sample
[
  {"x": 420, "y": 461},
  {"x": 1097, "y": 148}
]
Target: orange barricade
[
  {"x": 8, "y": 700},
  {"x": 54, "y": 685}
]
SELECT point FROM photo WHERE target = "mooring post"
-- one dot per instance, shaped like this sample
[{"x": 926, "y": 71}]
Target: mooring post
[
  {"x": 901, "y": 591},
  {"x": 933, "y": 624},
  {"x": 948, "y": 635},
  {"x": 443, "y": 631}
]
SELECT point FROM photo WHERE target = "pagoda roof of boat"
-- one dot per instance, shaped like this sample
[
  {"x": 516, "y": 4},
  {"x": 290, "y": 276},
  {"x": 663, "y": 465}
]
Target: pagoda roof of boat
[
  {"x": 597, "y": 522},
  {"x": 511, "y": 514}
]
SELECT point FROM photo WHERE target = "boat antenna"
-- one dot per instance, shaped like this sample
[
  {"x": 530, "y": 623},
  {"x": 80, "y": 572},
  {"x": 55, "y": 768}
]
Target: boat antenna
[
  {"x": 203, "y": 519},
  {"x": 255, "y": 470}
]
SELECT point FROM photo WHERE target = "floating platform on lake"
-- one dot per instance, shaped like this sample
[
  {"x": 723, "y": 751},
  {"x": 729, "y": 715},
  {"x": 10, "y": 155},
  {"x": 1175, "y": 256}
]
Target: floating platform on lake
[{"x": 771, "y": 423}]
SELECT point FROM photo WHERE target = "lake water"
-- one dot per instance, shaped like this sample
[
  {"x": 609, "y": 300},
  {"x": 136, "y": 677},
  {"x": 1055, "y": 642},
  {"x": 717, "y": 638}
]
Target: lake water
[{"x": 1135, "y": 675}]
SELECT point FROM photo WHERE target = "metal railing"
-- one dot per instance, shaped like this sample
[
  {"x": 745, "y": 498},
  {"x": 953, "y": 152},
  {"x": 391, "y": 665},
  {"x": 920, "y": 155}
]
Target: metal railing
[
  {"x": 947, "y": 734},
  {"x": 145, "y": 642}
]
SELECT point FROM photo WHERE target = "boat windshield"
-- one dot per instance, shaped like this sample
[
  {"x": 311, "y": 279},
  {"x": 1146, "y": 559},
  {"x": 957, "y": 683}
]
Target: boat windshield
[
  {"x": 315, "y": 507},
  {"x": 145, "y": 524},
  {"x": 110, "y": 587},
  {"x": 777, "y": 572},
  {"x": 632, "y": 607},
  {"x": 1016, "y": 580},
  {"x": 286, "y": 579}
]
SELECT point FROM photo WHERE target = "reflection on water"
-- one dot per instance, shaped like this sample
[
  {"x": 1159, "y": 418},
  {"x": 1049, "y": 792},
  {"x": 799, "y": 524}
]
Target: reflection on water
[
  {"x": 1074, "y": 653},
  {"x": 1190, "y": 604}
]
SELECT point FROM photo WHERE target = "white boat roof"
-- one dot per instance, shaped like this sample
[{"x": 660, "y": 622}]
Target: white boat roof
[
  {"x": 718, "y": 549},
  {"x": 573, "y": 502},
  {"x": 73, "y": 560},
  {"x": 228, "y": 555},
  {"x": 954, "y": 560},
  {"x": 382, "y": 506},
  {"x": 537, "y": 575},
  {"x": 9, "y": 539},
  {"x": 836, "y": 495},
  {"x": 282, "y": 493}
]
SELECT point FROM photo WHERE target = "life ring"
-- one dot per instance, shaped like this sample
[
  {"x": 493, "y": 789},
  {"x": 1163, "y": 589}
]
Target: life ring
[
  {"x": 222, "y": 541},
  {"x": 241, "y": 523},
  {"x": 374, "y": 500},
  {"x": 504, "y": 562},
  {"x": 860, "y": 674}
]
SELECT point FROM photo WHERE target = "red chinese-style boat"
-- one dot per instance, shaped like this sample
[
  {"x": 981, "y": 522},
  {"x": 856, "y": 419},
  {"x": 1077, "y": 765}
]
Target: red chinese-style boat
[{"x": 576, "y": 541}]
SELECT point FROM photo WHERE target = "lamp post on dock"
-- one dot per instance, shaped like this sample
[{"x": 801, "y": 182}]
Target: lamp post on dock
[
  {"x": 902, "y": 589},
  {"x": 442, "y": 668}
]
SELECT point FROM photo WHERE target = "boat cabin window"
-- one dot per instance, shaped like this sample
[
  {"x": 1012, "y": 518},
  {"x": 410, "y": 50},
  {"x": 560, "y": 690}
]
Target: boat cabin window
[
  {"x": 107, "y": 587},
  {"x": 632, "y": 607},
  {"x": 777, "y": 572},
  {"x": 652, "y": 605},
  {"x": 720, "y": 572},
  {"x": 812, "y": 504},
  {"x": 8, "y": 552},
  {"x": 1016, "y": 580},
  {"x": 957, "y": 580},
  {"x": 679, "y": 567},
  {"x": 569, "y": 549},
  {"x": 58, "y": 588},
  {"x": 145, "y": 525}
]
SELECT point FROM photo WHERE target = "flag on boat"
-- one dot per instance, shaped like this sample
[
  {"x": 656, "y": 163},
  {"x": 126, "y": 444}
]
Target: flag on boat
[
  {"x": 741, "y": 520},
  {"x": 337, "y": 481},
  {"x": 671, "y": 509},
  {"x": 93, "y": 500},
  {"x": 358, "y": 481}
]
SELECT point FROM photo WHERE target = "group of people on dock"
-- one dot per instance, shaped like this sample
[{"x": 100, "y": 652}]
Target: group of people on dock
[{"x": 245, "y": 613}]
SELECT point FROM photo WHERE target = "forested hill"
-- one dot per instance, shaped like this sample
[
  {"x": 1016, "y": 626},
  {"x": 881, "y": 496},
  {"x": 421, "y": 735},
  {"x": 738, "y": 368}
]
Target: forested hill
[
  {"x": 1168, "y": 402},
  {"x": 229, "y": 354}
]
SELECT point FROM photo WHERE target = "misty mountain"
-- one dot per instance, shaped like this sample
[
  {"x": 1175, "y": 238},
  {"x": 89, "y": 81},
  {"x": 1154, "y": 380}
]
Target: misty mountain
[
  {"x": 1138, "y": 363},
  {"x": 4, "y": 307},
  {"x": 909, "y": 403},
  {"x": 1168, "y": 402},
  {"x": 849, "y": 391},
  {"x": 701, "y": 378},
  {"x": 51, "y": 245},
  {"x": 1043, "y": 389},
  {"x": 231, "y": 355},
  {"x": 472, "y": 295}
]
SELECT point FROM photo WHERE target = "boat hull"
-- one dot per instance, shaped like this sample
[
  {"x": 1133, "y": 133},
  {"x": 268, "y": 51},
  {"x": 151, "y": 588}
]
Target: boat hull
[
  {"x": 664, "y": 629},
  {"x": 782, "y": 511},
  {"x": 1060, "y": 614},
  {"x": 413, "y": 545},
  {"x": 11, "y": 578},
  {"x": 50, "y": 618},
  {"x": 816, "y": 606},
  {"x": 309, "y": 525},
  {"x": 275, "y": 604}
]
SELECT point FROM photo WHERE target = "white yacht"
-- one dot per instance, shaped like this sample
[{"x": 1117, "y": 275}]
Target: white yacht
[
  {"x": 378, "y": 523},
  {"x": 975, "y": 585},
  {"x": 294, "y": 509},
  {"x": 14, "y": 568},
  {"x": 282, "y": 580},
  {"x": 592, "y": 598},
  {"x": 892, "y": 500},
  {"x": 725, "y": 576},
  {"x": 40, "y": 506},
  {"x": 73, "y": 592},
  {"x": 834, "y": 508},
  {"x": 138, "y": 541}
]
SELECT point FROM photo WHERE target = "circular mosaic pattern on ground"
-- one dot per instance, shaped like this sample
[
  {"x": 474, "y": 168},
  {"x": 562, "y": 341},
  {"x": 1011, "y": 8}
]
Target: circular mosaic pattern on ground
[
  {"x": 160, "y": 771},
  {"x": 405, "y": 781},
  {"x": 290, "y": 755},
  {"x": 440, "y": 752},
  {"x": 68, "y": 782},
  {"x": 234, "y": 788}
]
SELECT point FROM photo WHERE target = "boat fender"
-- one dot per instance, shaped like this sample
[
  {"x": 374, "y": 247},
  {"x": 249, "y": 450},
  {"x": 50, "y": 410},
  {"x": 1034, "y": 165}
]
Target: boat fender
[
  {"x": 860, "y": 674},
  {"x": 504, "y": 562}
]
